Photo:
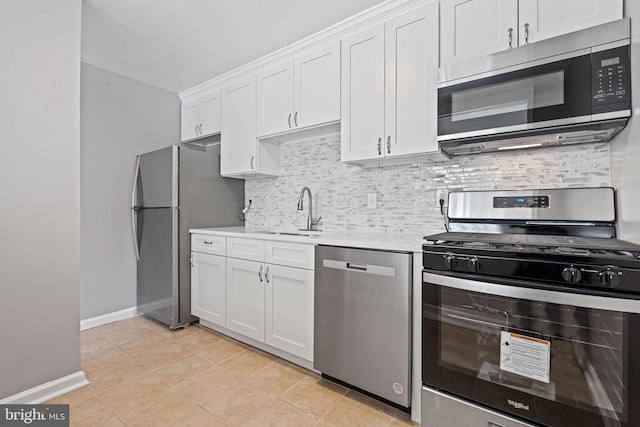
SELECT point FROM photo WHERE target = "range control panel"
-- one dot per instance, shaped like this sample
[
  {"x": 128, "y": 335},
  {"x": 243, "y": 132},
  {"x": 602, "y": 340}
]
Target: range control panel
[
  {"x": 611, "y": 78},
  {"x": 521, "y": 202}
]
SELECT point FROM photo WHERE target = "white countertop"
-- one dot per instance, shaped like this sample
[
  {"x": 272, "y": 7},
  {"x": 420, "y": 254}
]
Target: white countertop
[{"x": 355, "y": 239}]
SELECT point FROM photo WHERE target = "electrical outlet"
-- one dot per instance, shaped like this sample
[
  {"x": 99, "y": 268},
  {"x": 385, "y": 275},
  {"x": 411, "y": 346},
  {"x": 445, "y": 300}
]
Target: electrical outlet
[
  {"x": 441, "y": 194},
  {"x": 371, "y": 201}
]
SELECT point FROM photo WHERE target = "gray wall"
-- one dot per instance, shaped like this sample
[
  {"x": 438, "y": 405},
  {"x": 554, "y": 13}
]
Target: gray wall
[
  {"x": 625, "y": 148},
  {"x": 39, "y": 192},
  {"x": 120, "y": 117}
]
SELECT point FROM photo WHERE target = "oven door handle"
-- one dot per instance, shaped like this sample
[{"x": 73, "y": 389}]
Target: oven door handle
[
  {"x": 541, "y": 295},
  {"x": 560, "y": 223}
]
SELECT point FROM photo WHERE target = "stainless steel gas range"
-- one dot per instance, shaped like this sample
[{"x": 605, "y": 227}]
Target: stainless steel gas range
[{"x": 531, "y": 313}]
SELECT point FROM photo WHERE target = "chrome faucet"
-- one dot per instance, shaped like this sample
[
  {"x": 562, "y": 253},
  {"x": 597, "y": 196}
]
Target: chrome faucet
[{"x": 310, "y": 221}]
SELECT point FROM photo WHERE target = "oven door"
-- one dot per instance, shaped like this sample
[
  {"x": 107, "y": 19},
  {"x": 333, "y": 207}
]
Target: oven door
[
  {"x": 553, "y": 94},
  {"x": 548, "y": 357}
]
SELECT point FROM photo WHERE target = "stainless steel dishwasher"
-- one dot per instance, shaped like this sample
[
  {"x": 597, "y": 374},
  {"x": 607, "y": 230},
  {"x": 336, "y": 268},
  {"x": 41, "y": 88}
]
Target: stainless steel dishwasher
[{"x": 362, "y": 328}]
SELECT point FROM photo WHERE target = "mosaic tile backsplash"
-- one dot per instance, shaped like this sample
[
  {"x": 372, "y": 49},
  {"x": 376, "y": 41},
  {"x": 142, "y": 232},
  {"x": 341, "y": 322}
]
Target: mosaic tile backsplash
[{"x": 407, "y": 194}]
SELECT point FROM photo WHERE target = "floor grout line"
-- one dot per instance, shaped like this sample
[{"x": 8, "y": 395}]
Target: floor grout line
[{"x": 285, "y": 396}]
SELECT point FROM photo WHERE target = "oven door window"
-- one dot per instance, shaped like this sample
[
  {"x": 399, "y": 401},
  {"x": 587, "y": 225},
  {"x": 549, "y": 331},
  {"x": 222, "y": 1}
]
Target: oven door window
[
  {"x": 545, "y": 362},
  {"x": 559, "y": 90}
]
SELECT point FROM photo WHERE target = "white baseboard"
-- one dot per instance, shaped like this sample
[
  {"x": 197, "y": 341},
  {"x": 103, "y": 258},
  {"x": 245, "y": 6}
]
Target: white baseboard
[
  {"x": 92, "y": 322},
  {"x": 48, "y": 391}
]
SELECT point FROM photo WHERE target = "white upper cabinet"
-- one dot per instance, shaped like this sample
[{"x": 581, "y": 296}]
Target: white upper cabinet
[
  {"x": 210, "y": 113},
  {"x": 411, "y": 76},
  {"x": 200, "y": 117},
  {"x": 389, "y": 77},
  {"x": 238, "y": 127},
  {"x": 240, "y": 152},
  {"x": 542, "y": 19},
  {"x": 190, "y": 120},
  {"x": 362, "y": 127},
  {"x": 300, "y": 92},
  {"x": 472, "y": 28},
  {"x": 275, "y": 98},
  {"x": 316, "y": 84}
]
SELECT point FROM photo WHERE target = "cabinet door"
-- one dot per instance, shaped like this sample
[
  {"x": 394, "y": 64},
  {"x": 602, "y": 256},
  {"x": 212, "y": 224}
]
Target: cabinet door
[
  {"x": 238, "y": 128},
  {"x": 411, "y": 82},
  {"x": 208, "y": 287},
  {"x": 245, "y": 298},
  {"x": 362, "y": 98},
  {"x": 289, "y": 310},
  {"x": 550, "y": 18},
  {"x": 275, "y": 99},
  {"x": 316, "y": 83},
  {"x": 471, "y": 28},
  {"x": 210, "y": 113},
  {"x": 189, "y": 120}
]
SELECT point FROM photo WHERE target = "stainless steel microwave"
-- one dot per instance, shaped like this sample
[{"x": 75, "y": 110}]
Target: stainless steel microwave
[{"x": 570, "y": 89}]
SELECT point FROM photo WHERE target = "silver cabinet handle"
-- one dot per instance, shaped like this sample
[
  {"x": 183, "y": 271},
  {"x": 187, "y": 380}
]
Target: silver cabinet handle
[
  {"x": 389, "y": 145},
  {"x": 295, "y": 119},
  {"x": 200, "y": 129},
  {"x": 526, "y": 33},
  {"x": 191, "y": 260},
  {"x": 195, "y": 130},
  {"x": 266, "y": 274},
  {"x": 289, "y": 120},
  {"x": 260, "y": 274},
  {"x": 251, "y": 162},
  {"x": 379, "y": 146},
  {"x": 510, "y": 38}
]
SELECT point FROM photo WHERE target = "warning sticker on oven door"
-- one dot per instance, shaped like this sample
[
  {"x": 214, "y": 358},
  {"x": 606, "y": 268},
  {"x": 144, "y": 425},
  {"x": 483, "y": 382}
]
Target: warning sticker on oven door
[{"x": 526, "y": 356}]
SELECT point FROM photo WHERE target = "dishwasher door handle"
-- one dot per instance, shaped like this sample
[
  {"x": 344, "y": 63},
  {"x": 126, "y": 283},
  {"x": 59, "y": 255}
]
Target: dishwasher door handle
[{"x": 360, "y": 268}]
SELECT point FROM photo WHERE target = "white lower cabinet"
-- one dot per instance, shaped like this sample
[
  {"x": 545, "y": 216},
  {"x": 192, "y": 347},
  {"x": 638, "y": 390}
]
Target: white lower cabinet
[
  {"x": 245, "y": 298},
  {"x": 262, "y": 290},
  {"x": 289, "y": 310},
  {"x": 208, "y": 287},
  {"x": 270, "y": 293}
]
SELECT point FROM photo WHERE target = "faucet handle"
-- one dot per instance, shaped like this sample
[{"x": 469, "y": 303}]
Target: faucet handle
[{"x": 316, "y": 221}]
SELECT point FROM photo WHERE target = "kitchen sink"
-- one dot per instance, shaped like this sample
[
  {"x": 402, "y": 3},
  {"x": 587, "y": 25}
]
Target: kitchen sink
[{"x": 313, "y": 233}]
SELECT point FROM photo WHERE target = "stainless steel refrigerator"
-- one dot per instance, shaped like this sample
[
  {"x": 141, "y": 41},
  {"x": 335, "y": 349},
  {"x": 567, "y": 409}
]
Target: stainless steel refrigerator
[{"x": 175, "y": 189}]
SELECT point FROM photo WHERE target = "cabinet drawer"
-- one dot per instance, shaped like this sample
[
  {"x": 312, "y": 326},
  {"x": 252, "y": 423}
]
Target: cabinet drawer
[
  {"x": 251, "y": 249},
  {"x": 214, "y": 245},
  {"x": 298, "y": 255}
]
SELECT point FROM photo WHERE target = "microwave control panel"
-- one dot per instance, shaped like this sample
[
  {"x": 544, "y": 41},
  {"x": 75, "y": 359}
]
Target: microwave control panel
[{"x": 611, "y": 80}]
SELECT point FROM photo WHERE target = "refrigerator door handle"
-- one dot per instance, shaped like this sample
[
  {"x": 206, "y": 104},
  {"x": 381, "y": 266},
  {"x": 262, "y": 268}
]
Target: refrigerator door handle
[{"x": 134, "y": 209}]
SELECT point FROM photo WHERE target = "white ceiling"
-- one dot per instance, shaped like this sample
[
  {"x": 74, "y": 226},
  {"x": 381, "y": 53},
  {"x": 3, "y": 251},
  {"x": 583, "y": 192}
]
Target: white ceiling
[{"x": 177, "y": 44}]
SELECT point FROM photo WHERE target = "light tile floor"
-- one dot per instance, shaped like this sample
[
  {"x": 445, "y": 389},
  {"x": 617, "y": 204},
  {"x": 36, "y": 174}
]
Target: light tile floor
[{"x": 143, "y": 374}]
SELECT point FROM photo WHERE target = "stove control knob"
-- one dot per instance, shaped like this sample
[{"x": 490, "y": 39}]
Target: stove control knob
[
  {"x": 609, "y": 278},
  {"x": 474, "y": 264},
  {"x": 450, "y": 261},
  {"x": 571, "y": 275}
]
